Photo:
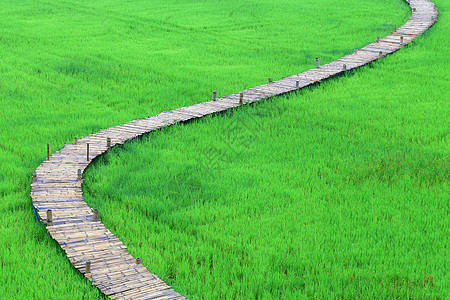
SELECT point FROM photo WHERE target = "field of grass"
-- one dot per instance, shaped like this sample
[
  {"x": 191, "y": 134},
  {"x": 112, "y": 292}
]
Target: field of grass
[{"x": 339, "y": 190}]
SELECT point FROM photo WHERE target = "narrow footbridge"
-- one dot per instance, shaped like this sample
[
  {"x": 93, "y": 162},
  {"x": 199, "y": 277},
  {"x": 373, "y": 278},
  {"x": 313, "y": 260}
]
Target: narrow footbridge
[{"x": 97, "y": 253}]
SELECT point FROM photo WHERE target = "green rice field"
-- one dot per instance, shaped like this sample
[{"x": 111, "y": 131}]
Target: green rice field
[{"x": 340, "y": 190}]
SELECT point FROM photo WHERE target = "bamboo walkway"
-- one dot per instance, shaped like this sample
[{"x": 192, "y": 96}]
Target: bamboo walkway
[{"x": 96, "y": 252}]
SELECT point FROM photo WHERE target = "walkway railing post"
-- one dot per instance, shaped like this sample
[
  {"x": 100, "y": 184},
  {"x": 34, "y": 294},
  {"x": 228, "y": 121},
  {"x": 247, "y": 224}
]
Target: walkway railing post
[
  {"x": 138, "y": 260},
  {"x": 49, "y": 217},
  {"x": 75, "y": 140},
  {"x": 79, "y": 174},
  {"x": 87, "y": 151},
  {"x": 95, "y": 214},
  {"x": 317, "y": 63},
  {"x": 108, "y": 143},
  {"x": 48, "y": 151},
  {"x": 241, "y": 98},
  {"x": 88, "y": 267},
  {"x": 34, "y": 175},
  {"x": 214, "y": 97}
]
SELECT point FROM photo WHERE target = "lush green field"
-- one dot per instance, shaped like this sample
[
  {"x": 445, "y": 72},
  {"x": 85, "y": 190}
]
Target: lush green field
[
  {"x": 341, "y": 190},
  {"x": 337, "y": 191}
]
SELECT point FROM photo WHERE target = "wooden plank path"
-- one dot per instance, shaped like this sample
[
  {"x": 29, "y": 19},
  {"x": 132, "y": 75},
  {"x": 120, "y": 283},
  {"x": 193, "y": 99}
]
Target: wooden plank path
[{"x": 96, "y": 252}]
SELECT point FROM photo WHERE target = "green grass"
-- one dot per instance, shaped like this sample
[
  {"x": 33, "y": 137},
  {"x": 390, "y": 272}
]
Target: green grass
[{"x": 339, "y": 190}]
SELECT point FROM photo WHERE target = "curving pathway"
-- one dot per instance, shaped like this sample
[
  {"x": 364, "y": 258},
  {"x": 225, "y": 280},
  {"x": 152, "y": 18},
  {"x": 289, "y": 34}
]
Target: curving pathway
[{"x": 96, "y": 252}]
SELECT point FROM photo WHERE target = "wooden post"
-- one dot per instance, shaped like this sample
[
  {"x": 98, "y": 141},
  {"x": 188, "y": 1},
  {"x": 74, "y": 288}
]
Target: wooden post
[
  {"x": 317, "y": 63},
  {"x": 48, "y": 151},
  {"x": 87, "y": 151},
  {"x": 378, "y": 39},
  {"x": 381, "y": 53},
  {"x": 79, "y": 174},
  {"x": 414, "y": 9},
  {"x": 355, "y": 51},
  {"x": 214, "y": 97},
  {"x": 138, "y": 260},
  {"x": 401, "y": 40},
  {"x": 297, "y": 83},
  {"x": 344, "y": 67},
  {"x": 49, "y": 217},
  {"x": 395, "y": 28},
  {"x": 88, "y": 267},
  {"x": 270, "y": 80},
  {"x": 241, "y": 98},
  {"x": 95, "y": 214},
  {"x": 108, "y": 143},
  {"x": 34, "y": 175},
  {"x": 75, "y": 140}
]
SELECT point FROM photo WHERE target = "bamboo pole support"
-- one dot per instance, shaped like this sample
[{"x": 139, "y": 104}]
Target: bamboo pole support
[
  {"x": 270, "y": 80},
  {"x": 381, "y": 53},
  {"x": 88, "y": 267},
  {"x": 414, "y": 9},
  {"x": 79, "y": 174},
  {"x": 87, "y": 151},
  {"x": 378, "y": 39},
  {"x": 49, "y": 217},
  {"x": 395, "y": 28},
  {"x": 355, "y": 51},
  {"x": 401, "y": 40},
  {"x": 297, "y": 83},
  {"x": 241, "y": 98},
  {"x": 138, "y": 260},
  {"x": 214, "y": 97},
  {"x": 75, "y": 140},
  {"x": 48, "y": 151},
  {"x": 34, "y": 175},
  {"x": 108, "y": 143},
  {"x": 95, "y": 214},
  {"x": 344, "y": 67},
  {"x": 317, "y": 63}
]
